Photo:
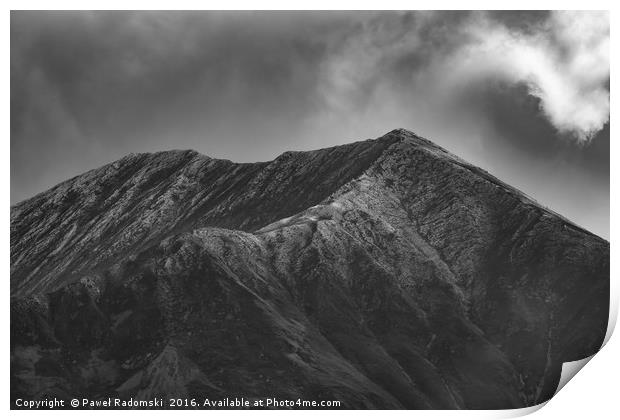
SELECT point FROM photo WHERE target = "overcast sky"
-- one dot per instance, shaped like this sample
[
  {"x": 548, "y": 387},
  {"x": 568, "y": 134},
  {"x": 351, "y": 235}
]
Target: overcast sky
[{"x": 524, "y": 95}]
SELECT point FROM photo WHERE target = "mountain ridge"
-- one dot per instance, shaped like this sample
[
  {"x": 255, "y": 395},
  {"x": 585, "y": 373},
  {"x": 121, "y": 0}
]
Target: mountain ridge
[
  {"x": 407, "y": 134},
  {"x": 173, "y": 161},
  {"x": 386, "y": 273}
]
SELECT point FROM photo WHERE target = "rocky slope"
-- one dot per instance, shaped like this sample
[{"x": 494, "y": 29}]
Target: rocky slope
[{"x": 385, "y": 274}]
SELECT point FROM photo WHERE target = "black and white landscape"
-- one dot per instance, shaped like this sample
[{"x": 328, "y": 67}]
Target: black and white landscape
[{"x": 385, "y": 273}]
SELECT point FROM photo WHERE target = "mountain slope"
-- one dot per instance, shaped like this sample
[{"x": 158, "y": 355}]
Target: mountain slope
[{"x": 385, "y": 274}]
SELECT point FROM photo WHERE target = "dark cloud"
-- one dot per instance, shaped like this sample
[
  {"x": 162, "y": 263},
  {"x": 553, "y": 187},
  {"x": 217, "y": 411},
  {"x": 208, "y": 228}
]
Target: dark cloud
[
  {"x": 90, "y": 87},
  {"x": 516, "y": 118},
  {"x": 521, "y": 20}
]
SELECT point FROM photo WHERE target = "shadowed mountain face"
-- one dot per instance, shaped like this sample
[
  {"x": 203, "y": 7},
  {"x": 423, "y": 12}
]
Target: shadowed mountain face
[{"x": 385, "y": 274}]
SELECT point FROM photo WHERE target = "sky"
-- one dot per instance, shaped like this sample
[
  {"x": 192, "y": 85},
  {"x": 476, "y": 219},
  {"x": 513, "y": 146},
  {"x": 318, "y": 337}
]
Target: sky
[{"x": 524, "y": 95}]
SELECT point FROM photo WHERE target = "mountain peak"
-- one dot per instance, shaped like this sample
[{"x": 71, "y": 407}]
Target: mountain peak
[
  {"x": 385, "y": 273},
  {"x": 402, "y": 132}
]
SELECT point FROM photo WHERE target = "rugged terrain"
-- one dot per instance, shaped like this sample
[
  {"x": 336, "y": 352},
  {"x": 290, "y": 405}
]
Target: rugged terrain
[{"x": 386, "y": 273}]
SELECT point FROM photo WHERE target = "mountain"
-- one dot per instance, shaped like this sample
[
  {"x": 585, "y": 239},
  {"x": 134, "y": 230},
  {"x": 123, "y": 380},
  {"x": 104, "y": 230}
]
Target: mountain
[{"x": 386, "y": 273}]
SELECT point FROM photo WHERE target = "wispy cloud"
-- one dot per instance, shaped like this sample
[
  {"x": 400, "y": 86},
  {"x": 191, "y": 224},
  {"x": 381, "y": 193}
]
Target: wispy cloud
[
  {"x": 564, "y": 63},
  {"x": 563, "y": 60}
]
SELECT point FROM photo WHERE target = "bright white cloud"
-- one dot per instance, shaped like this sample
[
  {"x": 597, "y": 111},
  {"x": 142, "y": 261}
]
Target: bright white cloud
[{"x": 564, "y": 62}]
